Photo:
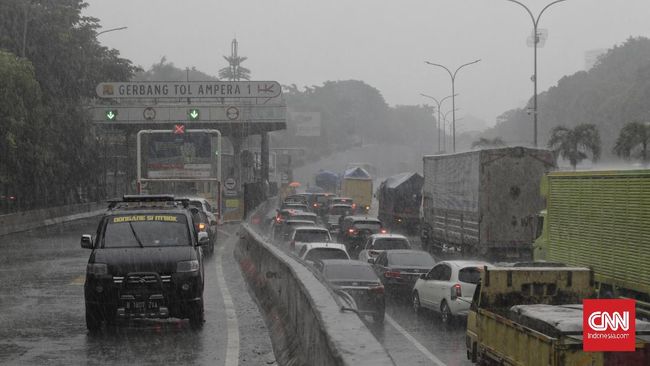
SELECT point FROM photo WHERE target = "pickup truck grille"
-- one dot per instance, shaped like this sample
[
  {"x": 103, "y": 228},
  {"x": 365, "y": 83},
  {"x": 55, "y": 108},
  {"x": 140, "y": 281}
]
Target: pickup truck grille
[{"x": 144, "y": 279}]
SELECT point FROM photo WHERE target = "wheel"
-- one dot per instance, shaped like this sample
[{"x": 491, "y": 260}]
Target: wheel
[
  {"x": 417, "y": 307},
  {"x": 196, "y": 315},
  {"x": 445, "y": 313},
  {"x": 93, "y": 318}
]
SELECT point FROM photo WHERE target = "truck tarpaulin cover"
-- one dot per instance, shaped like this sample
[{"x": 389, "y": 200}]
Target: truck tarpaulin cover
[{"x": 356, "y": 173}]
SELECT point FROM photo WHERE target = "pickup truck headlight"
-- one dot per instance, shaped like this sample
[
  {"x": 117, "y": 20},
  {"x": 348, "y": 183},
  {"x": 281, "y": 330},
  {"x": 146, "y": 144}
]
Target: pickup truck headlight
[
  {"x": 187, "y": 266},
  {"x": 97, "y": 269}
]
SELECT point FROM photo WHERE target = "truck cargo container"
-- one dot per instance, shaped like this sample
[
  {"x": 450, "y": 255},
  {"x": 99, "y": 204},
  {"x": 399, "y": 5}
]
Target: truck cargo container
[
  {"x": 357, "y": 184},
  {"x": 601, "y": 220},
  {"x": 483, "y": 203},
  {"x": 400, "y": 198},
  {"x": 533, "y": 317}
]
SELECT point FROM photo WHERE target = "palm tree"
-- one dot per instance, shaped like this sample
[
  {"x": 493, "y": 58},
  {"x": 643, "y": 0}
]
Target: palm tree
[
  {"x": 485, "y": 143},
  {"x": 573, "y": 144},
  {"x": 633, "y": 136}
]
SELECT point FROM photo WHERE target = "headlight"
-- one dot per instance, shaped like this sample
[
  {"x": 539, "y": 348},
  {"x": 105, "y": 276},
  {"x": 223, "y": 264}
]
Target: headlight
[
  {"x": 97, "y": 269},
  {"x": 187, "y": 266}
]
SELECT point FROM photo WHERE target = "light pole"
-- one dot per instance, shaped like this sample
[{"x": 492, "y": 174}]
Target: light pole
[
  {"x": 453, "y": 92},
  {"x": 535, "y": 41},
  {"x": 444, "y": 124},
  {"x": 110, "y": 30},
  {"x": 438, "y": 103}
]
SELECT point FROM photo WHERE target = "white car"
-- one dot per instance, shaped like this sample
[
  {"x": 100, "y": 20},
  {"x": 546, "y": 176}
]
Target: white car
[
  {"x": 318, "y": 251},
  {"x": 448, "y": 288},
  {"x": 308, "y": 234},
  {"x": 377, "y": 243}
]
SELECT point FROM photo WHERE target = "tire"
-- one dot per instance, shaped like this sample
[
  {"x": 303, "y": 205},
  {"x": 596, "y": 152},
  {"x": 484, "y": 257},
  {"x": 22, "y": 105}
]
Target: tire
[
  {"x": 196, "y": 315},
  {"x": 93, "y": 318},
  {"x": 417, "y": 307},
  {"x": 445, "y": 313}
]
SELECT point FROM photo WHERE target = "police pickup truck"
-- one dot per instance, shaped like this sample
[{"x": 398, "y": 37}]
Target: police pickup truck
[{"x": 146, "y": 262}]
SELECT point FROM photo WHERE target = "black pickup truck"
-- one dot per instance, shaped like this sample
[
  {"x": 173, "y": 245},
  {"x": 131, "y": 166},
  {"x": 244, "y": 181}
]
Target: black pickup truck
[{"x": 146, "y": 262}]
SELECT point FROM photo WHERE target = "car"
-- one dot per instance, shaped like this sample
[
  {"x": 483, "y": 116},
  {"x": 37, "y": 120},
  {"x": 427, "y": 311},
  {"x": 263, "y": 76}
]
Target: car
[
  {"x": 209, "y": 217},
  {"x": 312, "y": 252},
  {"x": 307, "y": 216},
  {"x": 297, "y": 198},
  {"x": 282, "y": 232},
  {"x": 145, "y": 262},
  {"x": 378, "y": 243},
  {"x": 399, "y": 269},
  {"x": 355, "y": 230},
  {"x": 295, "y": 206},
  {"x": 318, "y": 202},
  {"x": 340, "y": 200},
  {"x": 448, "y": 288},
  {"x": 359, "y": 281},
  {"x": 334, "y": 214},
  {"x": 307, "y": 234}
]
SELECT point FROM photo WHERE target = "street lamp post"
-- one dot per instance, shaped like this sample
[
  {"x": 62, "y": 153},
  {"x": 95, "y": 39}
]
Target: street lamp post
[
  {"x": 444, "y": 140},
  {"x": 453, "y": 93},
  {"x": 110, "y": 30},
  {"x": 535, "y": 41},
  {"x": 438, "y": 103}
]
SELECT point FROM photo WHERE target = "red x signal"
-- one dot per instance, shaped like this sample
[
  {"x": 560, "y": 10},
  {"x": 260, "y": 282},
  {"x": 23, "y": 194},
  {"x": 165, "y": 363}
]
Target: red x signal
[{"x": 179, "y": 129}]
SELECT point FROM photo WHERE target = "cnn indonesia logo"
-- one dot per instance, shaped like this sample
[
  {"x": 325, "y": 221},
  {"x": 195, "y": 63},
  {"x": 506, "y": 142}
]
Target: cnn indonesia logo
[{"x": 608, "y": 325}]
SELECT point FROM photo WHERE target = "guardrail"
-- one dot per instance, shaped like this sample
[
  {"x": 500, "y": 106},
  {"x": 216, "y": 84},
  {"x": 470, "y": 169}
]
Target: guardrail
[
  {"x": 308, "y": 325},
  {"x": 28, "y": 220}
]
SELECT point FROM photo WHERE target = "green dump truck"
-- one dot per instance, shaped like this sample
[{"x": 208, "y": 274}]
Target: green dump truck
[{"x": 600, "y": 220}]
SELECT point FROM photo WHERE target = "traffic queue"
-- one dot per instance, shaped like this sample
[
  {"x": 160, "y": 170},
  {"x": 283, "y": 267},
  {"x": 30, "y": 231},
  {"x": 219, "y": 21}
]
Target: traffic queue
[{"x": 357, "y": 255}]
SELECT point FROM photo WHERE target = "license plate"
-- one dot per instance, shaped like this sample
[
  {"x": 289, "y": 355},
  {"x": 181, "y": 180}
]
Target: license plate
[{"x": 141, "y": 305}]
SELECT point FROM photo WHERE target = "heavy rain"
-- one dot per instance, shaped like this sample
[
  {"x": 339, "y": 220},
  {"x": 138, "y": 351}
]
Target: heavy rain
[{"x": 368, "y": 182}]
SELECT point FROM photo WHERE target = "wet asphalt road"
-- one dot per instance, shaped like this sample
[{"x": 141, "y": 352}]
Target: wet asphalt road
[
  {"x": 42, "y": 311},
  {"x": 42, "y": 315}
]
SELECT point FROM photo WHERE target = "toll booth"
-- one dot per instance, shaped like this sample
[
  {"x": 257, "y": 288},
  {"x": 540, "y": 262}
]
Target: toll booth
[{"x": 238, "y": 109}]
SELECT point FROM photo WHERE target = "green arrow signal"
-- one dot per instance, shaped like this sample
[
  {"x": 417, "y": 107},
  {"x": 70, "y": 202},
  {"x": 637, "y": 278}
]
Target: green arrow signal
[
  {"x": 111, "y": 115},
  {"x": 194, "y": 114}
]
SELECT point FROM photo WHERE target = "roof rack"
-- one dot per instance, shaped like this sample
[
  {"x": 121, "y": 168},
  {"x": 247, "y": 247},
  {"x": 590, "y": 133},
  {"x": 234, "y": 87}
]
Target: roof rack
[{"x": 127, "y": 198}]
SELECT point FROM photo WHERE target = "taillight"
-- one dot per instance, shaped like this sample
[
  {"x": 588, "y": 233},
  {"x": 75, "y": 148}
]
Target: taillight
[
  {"x": 351, "y": 231},
  {"x": 354, "y": 205},
  {"x": 456, "y": 291},
  {"x": 383, "y": 231},
  {"x": 377, "y": 290},
  {"x": 202, "y": 227},
  {"x": 315, "y": 204},
  {"x": 392, "y": 274}
]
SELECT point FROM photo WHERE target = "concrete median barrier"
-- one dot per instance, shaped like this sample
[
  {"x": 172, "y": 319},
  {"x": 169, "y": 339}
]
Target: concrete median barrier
[
  {"x": 28, "y": 220},
  {"x": 305, "y": 319}
]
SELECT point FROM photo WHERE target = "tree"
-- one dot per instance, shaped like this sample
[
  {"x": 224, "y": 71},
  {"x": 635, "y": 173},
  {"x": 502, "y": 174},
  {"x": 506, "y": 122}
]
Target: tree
[
  {"x": 633, "y": 136},
  {"x": 573, "y": 144},
  {"x": 486, "y": 143}
]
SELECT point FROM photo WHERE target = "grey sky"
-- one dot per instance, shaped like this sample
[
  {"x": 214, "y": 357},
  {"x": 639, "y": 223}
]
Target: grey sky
[{"x": 383, "y": 43}]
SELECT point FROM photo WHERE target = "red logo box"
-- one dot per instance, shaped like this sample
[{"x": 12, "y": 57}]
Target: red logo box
[{"x": 608, "y": 325}]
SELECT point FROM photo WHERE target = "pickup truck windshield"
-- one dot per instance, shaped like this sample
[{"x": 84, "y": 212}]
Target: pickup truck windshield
[{"x": 146, "y": 231}]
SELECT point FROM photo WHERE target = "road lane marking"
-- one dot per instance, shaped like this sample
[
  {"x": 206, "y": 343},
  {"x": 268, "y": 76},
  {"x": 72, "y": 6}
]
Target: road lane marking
[
  {"x": 417, "y": 344},
  {"x": 232, "y": 347},
  {"x": 78, "y": 280}
]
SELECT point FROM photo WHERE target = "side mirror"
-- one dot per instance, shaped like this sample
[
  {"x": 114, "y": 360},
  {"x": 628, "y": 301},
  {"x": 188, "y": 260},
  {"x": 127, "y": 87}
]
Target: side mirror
[
  {"x": 204, "y": 239},
  {"x": 371, "y": 260},
  {"x": 423, "y": 276},
  {"x": 87, "y": 241}
]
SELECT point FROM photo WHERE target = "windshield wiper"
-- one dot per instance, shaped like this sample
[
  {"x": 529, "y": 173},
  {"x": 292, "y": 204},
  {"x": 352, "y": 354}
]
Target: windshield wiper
[{"x": 135, "y": 235}]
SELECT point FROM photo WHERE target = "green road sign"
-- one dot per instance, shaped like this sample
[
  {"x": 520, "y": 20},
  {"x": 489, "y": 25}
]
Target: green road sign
[
  {"x": 193, "y": 114},
  {"x": 110, "y": 115}
]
